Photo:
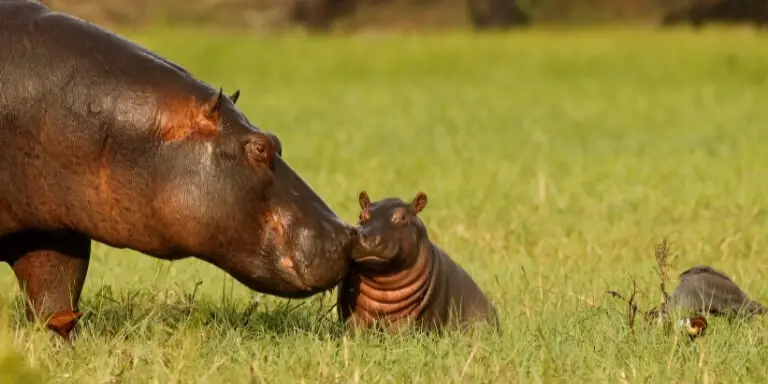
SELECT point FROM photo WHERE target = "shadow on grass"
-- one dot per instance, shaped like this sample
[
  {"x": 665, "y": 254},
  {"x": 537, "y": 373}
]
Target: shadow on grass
[
  {"x": 151, "y": 314},
  {"x": 148, "y": 313}
]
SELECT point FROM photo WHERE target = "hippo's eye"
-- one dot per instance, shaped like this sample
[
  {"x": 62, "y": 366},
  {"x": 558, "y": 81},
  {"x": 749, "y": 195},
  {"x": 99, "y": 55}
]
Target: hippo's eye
[{"x": 260, "y": 148}]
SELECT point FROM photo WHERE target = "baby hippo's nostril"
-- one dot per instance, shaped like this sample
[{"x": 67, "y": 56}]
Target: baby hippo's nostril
[{"x": 369, "y": 241}]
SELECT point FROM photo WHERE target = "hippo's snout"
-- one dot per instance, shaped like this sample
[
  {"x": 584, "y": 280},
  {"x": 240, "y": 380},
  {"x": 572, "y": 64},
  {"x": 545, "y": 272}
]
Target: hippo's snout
[
  {"x": 373, "y": 249},
  {"x": 365, "y": 245},
  {"x": 345, "y": 239},
  {"x": 321, "y": 259},
  {"x": 370, "y": 242}
]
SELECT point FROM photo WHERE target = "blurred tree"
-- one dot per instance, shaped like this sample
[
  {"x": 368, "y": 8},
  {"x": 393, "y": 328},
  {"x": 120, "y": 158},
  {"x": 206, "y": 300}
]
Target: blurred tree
[
  {"x": 496, "y": 14},
  {"x": 259, "y": 14},
  {"x": 700, "y": 12},
  {"x": 318, "y": 15},
  {"x": 321, "y": 15}
]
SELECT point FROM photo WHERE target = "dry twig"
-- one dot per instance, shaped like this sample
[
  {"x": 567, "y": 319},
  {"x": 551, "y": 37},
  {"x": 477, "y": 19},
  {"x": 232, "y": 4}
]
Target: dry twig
[
  {"x": 631, "y": 305},
  {"x": 662, "y": 255}
]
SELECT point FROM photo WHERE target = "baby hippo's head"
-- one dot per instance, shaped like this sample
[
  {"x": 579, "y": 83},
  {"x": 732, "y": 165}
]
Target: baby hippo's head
[{"x": 390, "y": 232}]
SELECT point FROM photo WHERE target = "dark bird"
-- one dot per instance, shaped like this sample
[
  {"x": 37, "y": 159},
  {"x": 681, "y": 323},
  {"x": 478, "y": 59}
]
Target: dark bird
[
  {"x": 703, "y": 289},
  {"x": 695, "y": 326}
]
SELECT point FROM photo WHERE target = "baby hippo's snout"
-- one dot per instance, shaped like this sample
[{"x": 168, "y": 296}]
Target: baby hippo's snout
[
  {"x": 371, "y": 242},
  {"x": 372, "y": 248},
  {"x": 365, "y": 246}
]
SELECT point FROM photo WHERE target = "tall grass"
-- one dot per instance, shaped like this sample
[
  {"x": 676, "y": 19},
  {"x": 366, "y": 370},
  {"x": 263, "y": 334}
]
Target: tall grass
[{"x": 554, "y": 161}]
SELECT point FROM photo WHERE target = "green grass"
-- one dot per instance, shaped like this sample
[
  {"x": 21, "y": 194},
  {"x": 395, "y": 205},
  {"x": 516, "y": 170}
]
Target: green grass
[{"x": 553, "y": 160}]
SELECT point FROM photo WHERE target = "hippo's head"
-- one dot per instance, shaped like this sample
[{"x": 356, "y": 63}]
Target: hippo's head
[
  {"x": 390, "y": 232},
  {"x": 226, "y": 195}
]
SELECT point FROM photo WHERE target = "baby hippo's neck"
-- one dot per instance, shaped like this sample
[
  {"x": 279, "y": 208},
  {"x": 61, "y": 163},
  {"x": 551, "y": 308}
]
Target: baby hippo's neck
[{"x": 400, "y": 295}]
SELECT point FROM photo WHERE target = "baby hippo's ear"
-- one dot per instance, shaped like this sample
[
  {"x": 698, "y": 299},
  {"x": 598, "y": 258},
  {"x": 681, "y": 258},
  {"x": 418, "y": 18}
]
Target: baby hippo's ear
[
  {"x": 364, "y": 200},
  {"x": 419, "y": 202}
]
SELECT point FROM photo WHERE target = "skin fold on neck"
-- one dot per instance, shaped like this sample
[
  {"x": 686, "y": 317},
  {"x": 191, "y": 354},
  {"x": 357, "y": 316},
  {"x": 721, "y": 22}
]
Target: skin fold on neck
[{"x": 397, "y": 296}]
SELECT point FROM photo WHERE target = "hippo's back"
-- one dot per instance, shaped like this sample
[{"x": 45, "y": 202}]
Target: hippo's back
[
  {"x": 44, "y": 42},
  {"x": 78, "y": 117},
  {"x": 460, "y": 292},
  {"x": 58, "y": 69}
]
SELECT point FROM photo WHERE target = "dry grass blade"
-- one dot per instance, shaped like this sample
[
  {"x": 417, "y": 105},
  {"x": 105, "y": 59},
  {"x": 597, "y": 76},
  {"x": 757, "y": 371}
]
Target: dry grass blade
[
  {"x": 618, "y": 295},
  {"x": 662, "y": 260},
  {"x": 632, "y": 307},
  {"x": 327, "y": 312}
]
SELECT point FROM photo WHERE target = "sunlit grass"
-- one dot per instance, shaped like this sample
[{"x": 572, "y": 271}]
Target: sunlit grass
[{"x": 553, "y": 161}]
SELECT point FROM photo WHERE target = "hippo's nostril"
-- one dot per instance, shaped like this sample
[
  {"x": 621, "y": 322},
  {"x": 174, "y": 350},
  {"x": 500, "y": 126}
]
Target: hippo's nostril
[{"x": 366, "y": 241}]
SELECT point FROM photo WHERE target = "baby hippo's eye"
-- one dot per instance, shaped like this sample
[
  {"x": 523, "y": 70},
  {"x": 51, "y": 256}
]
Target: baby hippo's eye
[{"x": 399, "y": 218}]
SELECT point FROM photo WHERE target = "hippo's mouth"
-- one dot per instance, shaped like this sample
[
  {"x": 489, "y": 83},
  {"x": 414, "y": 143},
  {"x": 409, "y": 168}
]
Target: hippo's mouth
[
  {"x": 376, "y": 257},
  {"x": 371, "y": 259}
]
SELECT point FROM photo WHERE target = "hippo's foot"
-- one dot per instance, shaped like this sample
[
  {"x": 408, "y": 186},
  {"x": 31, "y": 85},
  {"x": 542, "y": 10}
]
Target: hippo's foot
[
  {"x": 63, "y": 323},
  {"x": 51, "y": 269}
]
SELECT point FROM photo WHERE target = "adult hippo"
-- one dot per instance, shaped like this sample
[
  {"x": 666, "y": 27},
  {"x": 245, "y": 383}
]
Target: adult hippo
[{"x": 104, "y": 140}]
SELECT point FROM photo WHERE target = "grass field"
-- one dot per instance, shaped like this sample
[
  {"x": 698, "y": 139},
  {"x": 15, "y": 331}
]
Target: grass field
[{"x": 554, "y": 162}]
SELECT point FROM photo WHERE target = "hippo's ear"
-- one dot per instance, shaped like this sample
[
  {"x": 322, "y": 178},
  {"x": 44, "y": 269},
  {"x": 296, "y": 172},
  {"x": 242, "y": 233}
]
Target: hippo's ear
[
  {"x": 419, "y": 202},
  {"x": 235, "y": 96},
  {"x": 213, "y": 105},
  {"x": 364, "y": 200},
  {"x": 276, "y": 142}
]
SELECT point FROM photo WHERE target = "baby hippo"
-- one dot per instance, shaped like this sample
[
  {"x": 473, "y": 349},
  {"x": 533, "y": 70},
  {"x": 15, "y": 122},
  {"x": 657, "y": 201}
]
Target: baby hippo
[{"x": 398, "y": 276}]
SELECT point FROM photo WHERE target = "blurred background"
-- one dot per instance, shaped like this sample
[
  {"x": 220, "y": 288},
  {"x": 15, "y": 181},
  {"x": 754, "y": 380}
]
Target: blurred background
[
  {"x": 554, "y": 163},
  {"x": 320, "y": 16}
]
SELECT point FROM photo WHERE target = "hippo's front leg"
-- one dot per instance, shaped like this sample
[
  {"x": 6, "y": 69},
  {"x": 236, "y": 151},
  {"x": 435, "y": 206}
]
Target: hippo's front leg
[{"x": 51, "y": 269}]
